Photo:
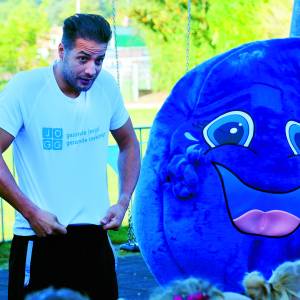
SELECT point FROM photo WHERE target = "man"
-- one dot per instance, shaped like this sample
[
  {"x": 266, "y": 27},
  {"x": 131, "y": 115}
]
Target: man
[{"x": 59, "y": 119}]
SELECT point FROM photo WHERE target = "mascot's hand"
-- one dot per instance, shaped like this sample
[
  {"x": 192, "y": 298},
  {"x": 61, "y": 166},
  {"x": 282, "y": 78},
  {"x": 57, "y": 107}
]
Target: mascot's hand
[{"x": 182, "y": 175}]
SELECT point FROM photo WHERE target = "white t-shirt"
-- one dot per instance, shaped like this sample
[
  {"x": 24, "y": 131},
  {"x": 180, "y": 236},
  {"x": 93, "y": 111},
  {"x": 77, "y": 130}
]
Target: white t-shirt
[{"x": 60, "y": 145}]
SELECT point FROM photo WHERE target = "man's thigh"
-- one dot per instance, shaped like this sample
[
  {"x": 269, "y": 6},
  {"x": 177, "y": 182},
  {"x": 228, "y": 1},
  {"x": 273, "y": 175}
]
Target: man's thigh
[
  {"x": 81, "y": 260},
  {"x": 17, "y": 262}
]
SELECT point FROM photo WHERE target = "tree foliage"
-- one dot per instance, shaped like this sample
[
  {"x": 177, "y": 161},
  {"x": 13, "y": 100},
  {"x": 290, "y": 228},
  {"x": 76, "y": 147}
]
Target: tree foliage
[
  {"x": 22, "y": 25},
  {"x": 59, "y": 10},
  {"x": 216, "y": 26}
]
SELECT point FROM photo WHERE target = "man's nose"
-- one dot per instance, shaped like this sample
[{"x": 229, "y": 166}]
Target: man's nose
[{"x": 91, "y": 69}]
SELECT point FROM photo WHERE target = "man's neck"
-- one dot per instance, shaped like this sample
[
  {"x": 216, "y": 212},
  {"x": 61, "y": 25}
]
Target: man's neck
[{"x": 62, "y": 84}]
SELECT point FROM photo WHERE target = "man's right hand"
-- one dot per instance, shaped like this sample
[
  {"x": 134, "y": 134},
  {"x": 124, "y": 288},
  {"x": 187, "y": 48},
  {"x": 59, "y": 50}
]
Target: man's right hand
[{"x": 45, "y": 223}]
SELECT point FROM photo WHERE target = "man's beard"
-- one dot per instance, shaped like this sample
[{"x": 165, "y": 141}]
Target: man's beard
[{"x": 70, "y": 79}]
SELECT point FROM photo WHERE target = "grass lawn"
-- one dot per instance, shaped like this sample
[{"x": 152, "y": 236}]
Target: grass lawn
[
  {"x": 140, "y": 117},
  {"x": 4, "y": 254}
]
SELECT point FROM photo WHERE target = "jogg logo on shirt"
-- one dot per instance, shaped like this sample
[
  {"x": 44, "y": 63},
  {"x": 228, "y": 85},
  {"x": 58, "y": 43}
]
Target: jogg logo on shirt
[{"x": 52, "y": 138}]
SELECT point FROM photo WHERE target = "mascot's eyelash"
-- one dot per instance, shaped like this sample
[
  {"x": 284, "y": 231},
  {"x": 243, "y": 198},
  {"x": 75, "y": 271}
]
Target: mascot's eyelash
[
  {"x": 192, "y": 148},
  {"x": 190, "y": 137}
]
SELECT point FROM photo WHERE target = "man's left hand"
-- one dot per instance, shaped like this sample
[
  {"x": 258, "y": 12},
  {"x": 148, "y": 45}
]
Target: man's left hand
[{"x": 114, "y": 217}]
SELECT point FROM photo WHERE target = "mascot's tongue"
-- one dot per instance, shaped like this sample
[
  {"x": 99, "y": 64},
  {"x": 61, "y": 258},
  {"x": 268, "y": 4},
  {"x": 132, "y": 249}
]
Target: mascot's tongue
[{"x": 271, "y": 223}]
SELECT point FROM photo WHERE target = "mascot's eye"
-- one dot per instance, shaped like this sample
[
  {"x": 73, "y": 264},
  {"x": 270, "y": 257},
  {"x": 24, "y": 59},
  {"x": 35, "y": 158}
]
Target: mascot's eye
[
  {"x": 235, "y": 127},
  {"x": 292, "y": 130}
]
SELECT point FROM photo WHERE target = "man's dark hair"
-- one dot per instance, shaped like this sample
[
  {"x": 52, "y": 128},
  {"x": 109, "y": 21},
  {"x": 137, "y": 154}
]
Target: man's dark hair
[{"x": 86, "y": 26}]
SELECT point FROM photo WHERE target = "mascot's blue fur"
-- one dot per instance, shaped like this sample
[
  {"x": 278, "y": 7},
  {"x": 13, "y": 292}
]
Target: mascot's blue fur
[{"x": 219, "y": 190}]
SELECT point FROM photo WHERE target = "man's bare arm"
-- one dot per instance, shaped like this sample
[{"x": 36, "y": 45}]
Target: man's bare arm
[
  {"x": 129, "y": 169},
  {"x": 42, "y": 222}
]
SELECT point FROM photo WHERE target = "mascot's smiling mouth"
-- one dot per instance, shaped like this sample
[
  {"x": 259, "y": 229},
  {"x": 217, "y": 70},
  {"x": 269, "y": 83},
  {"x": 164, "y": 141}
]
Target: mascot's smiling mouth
[{"x": 258, "y": 212}]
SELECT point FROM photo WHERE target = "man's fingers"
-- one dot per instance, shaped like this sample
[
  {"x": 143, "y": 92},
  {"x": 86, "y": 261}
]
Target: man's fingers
[
  {"x": 60, "y": 229},
  {"x": 113, "y": 224},
  {"x": 54, "y": 229},
  {"x": 40, "y": 233},
  {"x": 113, "y": 218},
  {"x": 107, "y": 219},
  {"x": 104, "y": 221}
]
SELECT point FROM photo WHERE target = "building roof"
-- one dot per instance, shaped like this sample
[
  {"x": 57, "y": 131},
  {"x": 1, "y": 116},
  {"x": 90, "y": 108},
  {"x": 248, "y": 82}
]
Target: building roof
[{"x": 128, "y": 37}]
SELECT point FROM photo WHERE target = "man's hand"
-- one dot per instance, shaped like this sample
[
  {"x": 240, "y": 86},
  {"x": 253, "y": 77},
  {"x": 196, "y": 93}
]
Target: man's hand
[
  {"x": 114, "y": 217},
  {"x": 45, "y": 223}
]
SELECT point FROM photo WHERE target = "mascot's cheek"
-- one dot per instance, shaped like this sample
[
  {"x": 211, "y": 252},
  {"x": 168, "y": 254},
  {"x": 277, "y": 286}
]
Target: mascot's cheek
[{"x": 199, "y": 229}]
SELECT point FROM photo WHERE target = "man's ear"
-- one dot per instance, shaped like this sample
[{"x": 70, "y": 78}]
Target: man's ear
[{"x": 61, "y": 51}]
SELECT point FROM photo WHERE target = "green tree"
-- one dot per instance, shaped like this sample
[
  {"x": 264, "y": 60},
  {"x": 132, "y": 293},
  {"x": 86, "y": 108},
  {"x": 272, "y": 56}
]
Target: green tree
[
  {"x": 216, "y": 26},
  {"x": 25, "y": 25},
  {"x": 59, "y": 10}
]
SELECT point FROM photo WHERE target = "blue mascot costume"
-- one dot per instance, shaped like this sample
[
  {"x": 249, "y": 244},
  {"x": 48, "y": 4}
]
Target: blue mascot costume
[{"x": 219, "y": 192}]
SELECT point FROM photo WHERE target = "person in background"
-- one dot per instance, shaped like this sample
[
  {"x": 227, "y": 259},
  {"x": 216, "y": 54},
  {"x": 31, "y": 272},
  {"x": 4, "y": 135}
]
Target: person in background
[
  {"x": 53, "y": 294},
  {"x": 58, "y": 119},
  {"x": 284, "y": 284},
  {"x": 193, "y": 289}
]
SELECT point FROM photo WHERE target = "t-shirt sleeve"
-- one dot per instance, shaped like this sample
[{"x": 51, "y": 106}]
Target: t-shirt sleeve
[
  {"x": 119, "y": 112},
  {"x": 11, "y": 119}
]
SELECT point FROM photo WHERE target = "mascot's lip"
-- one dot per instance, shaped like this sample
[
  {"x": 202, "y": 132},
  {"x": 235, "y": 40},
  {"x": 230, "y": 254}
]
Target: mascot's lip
[
  {"x": 271, "y": 223},
  {"x": 259, "y": 212}
]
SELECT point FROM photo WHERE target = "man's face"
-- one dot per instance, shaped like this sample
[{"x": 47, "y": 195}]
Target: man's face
[{"x": 82, "y": 64}]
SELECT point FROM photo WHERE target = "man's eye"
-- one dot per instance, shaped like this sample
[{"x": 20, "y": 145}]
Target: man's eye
[
  {"x": 99, "y": 62},
  {"x": 82, "y": 59}
]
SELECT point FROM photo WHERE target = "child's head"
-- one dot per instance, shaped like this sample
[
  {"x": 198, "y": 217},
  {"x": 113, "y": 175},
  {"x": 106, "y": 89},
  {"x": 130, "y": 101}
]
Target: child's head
[
  {"x": 256, "y": 286},
  {"x": 188, "y": 289},
  {"x": 53, "y": 294},
  {"x": 284, "y": 283}
]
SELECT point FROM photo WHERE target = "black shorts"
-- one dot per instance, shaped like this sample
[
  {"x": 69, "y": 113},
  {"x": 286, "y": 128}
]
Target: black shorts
[{"x": 81, "y": 260}]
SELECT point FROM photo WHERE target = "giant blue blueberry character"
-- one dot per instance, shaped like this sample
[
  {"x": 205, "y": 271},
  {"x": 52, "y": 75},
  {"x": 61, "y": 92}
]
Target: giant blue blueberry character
[{"x": 219, "y": 189}]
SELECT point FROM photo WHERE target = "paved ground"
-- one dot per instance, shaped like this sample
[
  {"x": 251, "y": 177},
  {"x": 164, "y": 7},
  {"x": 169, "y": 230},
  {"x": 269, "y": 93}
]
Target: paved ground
[
  {"x": 3, "y": 285},
  {"x": 135, "y": 280}
]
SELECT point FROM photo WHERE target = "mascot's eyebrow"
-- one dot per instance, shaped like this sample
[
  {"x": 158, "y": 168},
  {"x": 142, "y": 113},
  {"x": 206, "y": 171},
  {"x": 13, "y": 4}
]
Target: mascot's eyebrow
[
  {"x": 233, "y": 100},
  {"x": 260, "y": 94},
  {"x": 266, "y": 96}
]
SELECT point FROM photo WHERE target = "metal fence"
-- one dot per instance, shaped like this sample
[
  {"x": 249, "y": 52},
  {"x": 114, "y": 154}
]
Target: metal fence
[{"x": 7, "y": 212}]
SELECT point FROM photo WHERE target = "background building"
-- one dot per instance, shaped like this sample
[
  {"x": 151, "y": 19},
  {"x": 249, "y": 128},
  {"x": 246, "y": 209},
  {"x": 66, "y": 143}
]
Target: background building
[{"x": 131, "y": 61}]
